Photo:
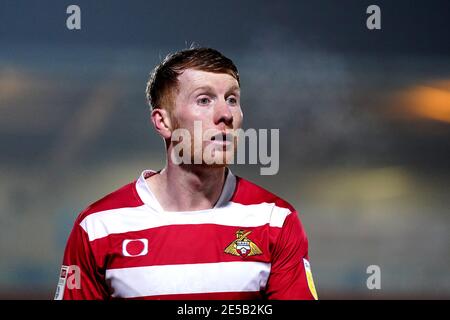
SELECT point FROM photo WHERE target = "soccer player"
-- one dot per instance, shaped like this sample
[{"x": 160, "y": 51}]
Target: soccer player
[{"x": 192, "y": 230}]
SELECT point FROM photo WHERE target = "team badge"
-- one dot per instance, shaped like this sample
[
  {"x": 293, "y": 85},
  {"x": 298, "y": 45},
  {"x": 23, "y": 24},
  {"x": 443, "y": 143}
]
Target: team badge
[{"x": 243, "y": 246}]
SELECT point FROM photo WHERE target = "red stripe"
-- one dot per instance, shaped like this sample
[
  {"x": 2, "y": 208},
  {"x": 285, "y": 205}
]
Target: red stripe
[
  {"x": 248, "y": 193},
  {"x": 183, "y": 244},
  {"x": 125, "y": 197}
]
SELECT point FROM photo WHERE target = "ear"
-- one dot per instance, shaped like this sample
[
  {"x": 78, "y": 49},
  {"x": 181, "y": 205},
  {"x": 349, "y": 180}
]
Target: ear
[{"x": 161, "y": 121}]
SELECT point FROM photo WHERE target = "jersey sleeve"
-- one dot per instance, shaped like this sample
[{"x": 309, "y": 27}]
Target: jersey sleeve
[
  {"x": 290, "y": 277},
  {"x": 80, "y": 278}
]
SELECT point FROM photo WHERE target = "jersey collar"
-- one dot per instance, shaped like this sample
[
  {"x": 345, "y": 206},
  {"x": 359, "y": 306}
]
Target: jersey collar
[{"x": 149, "y": 198}]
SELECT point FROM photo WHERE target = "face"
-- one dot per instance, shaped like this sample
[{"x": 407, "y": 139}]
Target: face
[{"x": 207, "y": 105}]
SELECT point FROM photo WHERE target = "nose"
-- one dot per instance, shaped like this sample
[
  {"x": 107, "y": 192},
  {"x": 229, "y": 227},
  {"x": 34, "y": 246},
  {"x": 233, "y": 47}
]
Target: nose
[{"x": 223, "y": 114}]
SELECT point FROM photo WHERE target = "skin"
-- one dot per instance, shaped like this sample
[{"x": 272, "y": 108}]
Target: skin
[{"x": 213, "y": 99}]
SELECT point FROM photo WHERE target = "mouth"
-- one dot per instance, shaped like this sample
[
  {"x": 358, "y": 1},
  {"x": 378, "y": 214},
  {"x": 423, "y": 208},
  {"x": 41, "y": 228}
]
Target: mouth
[{"x": 222, "y": 138}]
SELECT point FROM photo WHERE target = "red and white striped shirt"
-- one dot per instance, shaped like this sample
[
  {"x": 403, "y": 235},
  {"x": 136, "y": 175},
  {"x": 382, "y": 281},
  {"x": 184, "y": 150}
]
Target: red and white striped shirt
[{"x": 251, "y": 245}]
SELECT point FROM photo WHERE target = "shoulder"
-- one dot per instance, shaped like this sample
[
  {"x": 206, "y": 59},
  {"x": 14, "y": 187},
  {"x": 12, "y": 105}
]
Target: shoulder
[
  {"x": 249, "y": 193},
  {"x": 124, "y": 197},
  {"x": 252, "y": 195},
  {"x": 258, "y": 200}
]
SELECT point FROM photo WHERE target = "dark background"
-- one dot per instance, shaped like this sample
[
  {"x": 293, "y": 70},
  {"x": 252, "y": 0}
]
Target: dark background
[{"x": 364, "y": 119}]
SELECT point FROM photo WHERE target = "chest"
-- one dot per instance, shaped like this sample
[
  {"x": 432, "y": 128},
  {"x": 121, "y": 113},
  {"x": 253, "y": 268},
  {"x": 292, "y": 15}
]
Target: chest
[{"x": 188, "y": 259}]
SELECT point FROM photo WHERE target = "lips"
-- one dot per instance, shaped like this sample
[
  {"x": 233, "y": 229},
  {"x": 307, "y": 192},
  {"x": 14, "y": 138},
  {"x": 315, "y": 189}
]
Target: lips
[{"x": 222, "y": 137}]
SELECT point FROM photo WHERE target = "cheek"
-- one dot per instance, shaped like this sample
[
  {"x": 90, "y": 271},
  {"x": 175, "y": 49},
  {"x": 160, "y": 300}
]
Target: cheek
[
  {"x": 238, "y": 117},
  {"x": 191, "y": 113},
  {"x": 184, "y": 118}
]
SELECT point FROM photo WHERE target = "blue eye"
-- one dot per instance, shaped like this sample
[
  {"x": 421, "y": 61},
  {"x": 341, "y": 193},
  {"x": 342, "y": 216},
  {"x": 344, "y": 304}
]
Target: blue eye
[
  {"x": 203, "y": 101},
  {"x": 232, "y": 100}
]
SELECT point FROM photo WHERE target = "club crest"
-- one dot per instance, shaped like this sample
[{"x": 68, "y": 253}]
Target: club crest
[{"x": 243, "y": 246}]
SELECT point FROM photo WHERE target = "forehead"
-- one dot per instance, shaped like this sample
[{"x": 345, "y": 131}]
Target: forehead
[{"x": 191, "y": 79}]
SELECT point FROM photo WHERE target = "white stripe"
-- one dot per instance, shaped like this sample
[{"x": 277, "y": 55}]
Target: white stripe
[
  {"x": 188, "y": 278},
  {"x": 103, "y": 223}
]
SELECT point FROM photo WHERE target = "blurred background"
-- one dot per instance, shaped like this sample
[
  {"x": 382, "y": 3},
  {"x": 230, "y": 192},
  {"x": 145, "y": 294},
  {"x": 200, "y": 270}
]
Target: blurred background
[{"x": 364, "y": 119}]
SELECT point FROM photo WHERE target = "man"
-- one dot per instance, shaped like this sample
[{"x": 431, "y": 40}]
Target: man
[{"x": 192, "y": 230}]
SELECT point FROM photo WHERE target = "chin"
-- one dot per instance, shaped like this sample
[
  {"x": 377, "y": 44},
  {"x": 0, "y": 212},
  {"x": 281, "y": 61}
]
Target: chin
[
  {"x": 219, "y": 159},
  {"x": 215, "y": 165}
]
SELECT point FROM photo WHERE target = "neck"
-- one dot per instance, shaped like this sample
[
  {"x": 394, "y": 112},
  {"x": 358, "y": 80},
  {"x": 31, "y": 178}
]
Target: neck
[{"x": 187, "y": 187}]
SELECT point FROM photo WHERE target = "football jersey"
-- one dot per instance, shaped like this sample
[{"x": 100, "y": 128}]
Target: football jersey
[{"x": 250, "y": 245}]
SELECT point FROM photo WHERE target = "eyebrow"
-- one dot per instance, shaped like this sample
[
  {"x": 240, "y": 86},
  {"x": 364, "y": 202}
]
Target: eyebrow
[
  {"x": 210, "y": 89},
  {"x": 233, "y": 88},
  {"x": 205, "y": 88}
]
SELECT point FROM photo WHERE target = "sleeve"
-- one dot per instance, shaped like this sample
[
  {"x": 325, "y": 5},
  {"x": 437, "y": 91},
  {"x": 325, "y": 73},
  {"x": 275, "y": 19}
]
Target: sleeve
[
  {"x": 80, "y": 279},
  {"x": 290, "y": 277}
]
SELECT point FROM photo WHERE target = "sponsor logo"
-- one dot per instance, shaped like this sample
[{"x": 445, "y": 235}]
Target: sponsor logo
[
  {"x": 243, "y": 246},
  {"x": 309, "y": 278},
  {"x": 135, "y": 247}
]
